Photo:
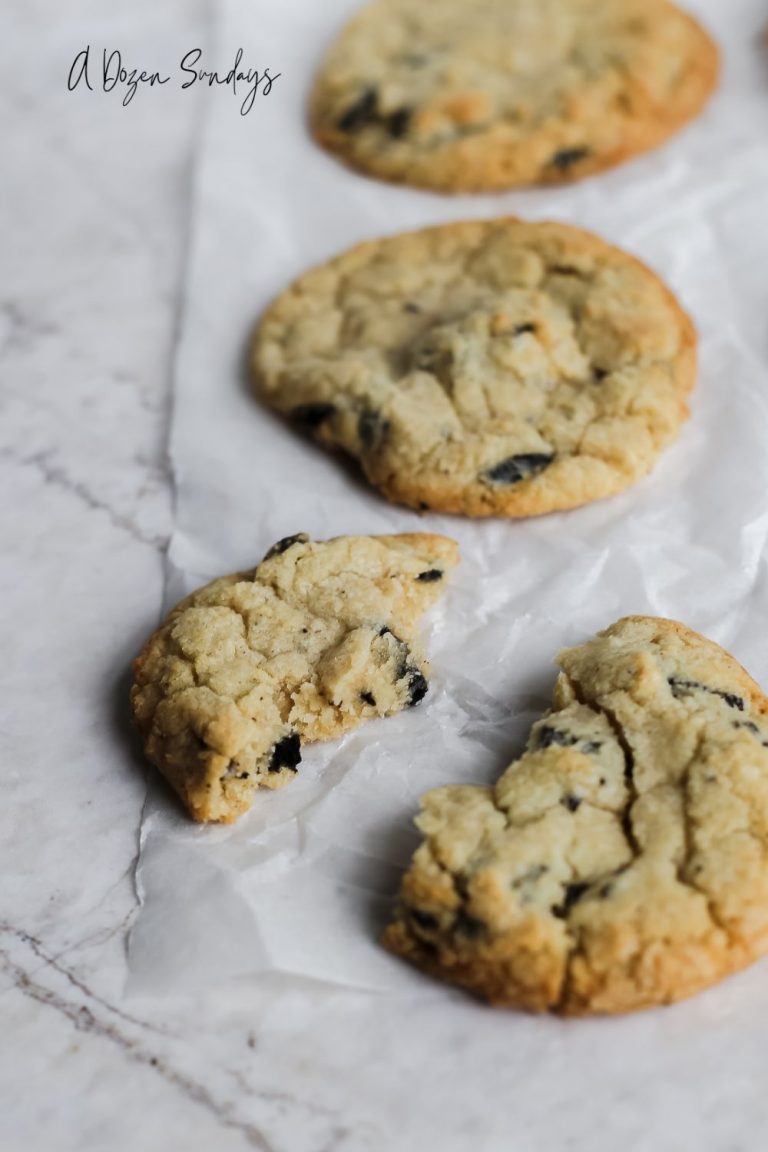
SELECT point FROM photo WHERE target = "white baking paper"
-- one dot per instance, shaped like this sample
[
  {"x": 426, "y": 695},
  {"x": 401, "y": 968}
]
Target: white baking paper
[{"x": 300, "y": 887}]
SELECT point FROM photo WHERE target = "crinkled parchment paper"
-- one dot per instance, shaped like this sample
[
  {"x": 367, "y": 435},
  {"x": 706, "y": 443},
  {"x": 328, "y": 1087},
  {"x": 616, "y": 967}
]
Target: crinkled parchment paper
[{"x": 300, "y": 887}]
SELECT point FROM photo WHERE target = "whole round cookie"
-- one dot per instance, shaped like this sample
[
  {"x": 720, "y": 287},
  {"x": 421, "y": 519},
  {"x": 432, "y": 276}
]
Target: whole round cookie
[
  {"x": 313, "y": 641},
  {"x": 622, "y": 861},
  {"x": 491, "y": 368},
  {"x": 460, "y": 96}
]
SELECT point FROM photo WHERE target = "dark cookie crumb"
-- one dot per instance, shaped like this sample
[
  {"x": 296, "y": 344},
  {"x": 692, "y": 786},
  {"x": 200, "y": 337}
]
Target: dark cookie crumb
[
  {"x": 409, "y": 306},
  {"x": 430, "y": 577},
  {"x": 521, "y": 329},
  {"x": 286, "y": 543},
  {"x": 517, "y": 468},
  {"x": 368, "y": 698},
  {"x": 591, "y": 747},
  {"x": 286, "y": 753},
  {"x": 571, "y": 802}
]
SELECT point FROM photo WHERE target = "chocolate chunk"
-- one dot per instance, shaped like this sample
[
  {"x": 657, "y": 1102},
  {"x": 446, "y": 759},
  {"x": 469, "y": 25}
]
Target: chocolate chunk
[
  {"x": 573, "y": 894},
  {"x": 424, "y": 920},
  {"x": 313, "y": 415},
  {"x": 468, "y": 925},
  {"x": 286, "y": 543},
  {"x": 567, "y": 157},
  {"x": 368, "y": 698},
  {"x": 399, "y": 122},
  {"x": 362, "y": 113},
  {"x": 417, "y": 687},
  {"x": 517, "y": 468},
  {"x": 371, "y": 428},
  {"x": 416, "y": 683},
  {"x": 547, "y": 736},
  {"x": 681, "y": 687},
  {"x": 286, "y": 753},
  {"x": 430, "y": 577},
  {"x": 731, "y": 699},
  {"x": 571, "y": 802}
]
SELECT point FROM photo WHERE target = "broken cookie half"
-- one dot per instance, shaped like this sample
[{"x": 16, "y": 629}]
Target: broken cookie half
[
  {"x": 622, "y": 861},
  {"x": 316, "y": 639}
]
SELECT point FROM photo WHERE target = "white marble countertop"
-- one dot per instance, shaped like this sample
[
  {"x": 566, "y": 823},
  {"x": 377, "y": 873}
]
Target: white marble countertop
[{"x": 93, "y": 233}]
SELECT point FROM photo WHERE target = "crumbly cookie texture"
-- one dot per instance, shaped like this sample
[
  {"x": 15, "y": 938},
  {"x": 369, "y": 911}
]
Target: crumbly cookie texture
[
  {"x": 316, "y": 639},
  {"x": 462, "y": 97},
  {"x": 621, "y": 862},
  {"x": 490, "y": 368}
]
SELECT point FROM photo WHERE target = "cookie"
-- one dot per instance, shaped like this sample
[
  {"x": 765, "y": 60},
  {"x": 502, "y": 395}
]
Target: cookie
[
  {"x": 490, "y": 368},
  {"x": 468, "y": 97},
  {"x": 622, "y": 861},
  {"x": 314, "y": 640}
]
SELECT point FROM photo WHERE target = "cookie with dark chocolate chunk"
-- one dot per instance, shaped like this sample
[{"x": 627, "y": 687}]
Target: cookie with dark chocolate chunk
[
  {"x": 622, "y": 861},
  {"x": 454, "y": 96},
  {"x": 316, "y": 639},
  {"x": 491, "y": 368}
]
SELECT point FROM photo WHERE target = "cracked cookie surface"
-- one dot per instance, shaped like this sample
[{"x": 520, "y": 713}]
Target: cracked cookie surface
[
  {"x": 316, "y": 639},
  {"x": 470, "y": 97},
  {"x": 490, "y": 368},
  {"x": 622, "y": 861}
]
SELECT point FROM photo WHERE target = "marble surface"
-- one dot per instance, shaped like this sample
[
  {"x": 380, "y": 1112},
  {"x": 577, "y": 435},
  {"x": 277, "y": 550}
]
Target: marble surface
[
  {"x": 94, "y": 210},
  {"x": 93, "y": 233}
]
